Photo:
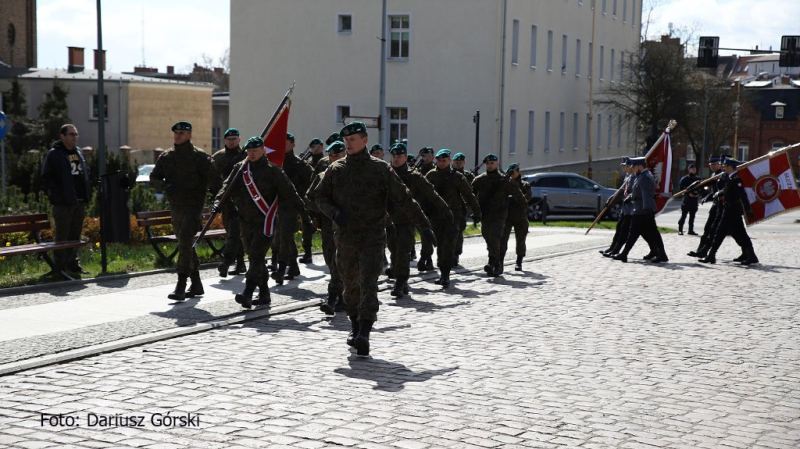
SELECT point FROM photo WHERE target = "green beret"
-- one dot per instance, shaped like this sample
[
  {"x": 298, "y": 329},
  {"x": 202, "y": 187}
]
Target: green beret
[
  {"x": 290, "y": 137},
  {"x": 182, "y": 126},
  {"x": 353, "y": 128},
  {"x": 512, "y": 166},
  {"x": 315, "y": 141},
  {"x": 254, "y": 142},
  {"x": 336, "y": 147},
  {"x": 460, "y": 157},
  {"x": 398, "y": 148},
  {"x": 426, "y": 150},
  {"x": 376, "y": 147},
  {"x": 231, "y": 132},
  {"x": 491, "y": 157},
  {"x": 333, "y": 138},
  {"x": 411, "y": 158},
  {"x": 444, "y": 152}
]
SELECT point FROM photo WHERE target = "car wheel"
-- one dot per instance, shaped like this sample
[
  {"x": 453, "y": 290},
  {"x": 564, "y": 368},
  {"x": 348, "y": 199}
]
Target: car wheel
[
  {"x": 613, "y": 213},
  {"x": 535, "y": 211}
]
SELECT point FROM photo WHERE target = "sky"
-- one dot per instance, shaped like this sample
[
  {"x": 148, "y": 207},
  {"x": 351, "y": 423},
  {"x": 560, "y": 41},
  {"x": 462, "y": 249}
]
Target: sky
[{"x": 181, "y": 32}]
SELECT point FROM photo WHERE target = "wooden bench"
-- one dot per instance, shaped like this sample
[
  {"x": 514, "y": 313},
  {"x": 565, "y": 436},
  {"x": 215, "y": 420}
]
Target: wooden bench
[
  {"x": 34, "y": 223},
  {"x": 164, "y": 217}
]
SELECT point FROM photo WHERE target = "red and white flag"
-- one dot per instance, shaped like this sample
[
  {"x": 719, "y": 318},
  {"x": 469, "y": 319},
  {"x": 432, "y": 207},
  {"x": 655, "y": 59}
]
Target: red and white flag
[
  {"x": 770, "y": 187},
  {"x": 659, "y": 162},
  {"x": 275, "y": 140}
]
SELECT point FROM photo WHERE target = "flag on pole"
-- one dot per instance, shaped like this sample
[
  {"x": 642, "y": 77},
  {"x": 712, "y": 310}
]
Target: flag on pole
[
  {"x": 659, "y": 162},
  {"x": 770, "y": 187},
  {"x": 275, "y": 140}
]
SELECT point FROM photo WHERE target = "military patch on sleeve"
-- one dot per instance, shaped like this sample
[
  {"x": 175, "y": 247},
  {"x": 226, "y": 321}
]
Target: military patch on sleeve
[{"x": 391, "y": 169}]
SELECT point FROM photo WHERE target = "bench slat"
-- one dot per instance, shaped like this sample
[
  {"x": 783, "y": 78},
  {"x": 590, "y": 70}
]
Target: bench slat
[
  {"x": 211, "y": 233},
  {"x": 39, "y": 247},
  {"x": 26, "y": 227},
  {"x": 24, "y": 218},
  {"x": 154, "y": 222}
]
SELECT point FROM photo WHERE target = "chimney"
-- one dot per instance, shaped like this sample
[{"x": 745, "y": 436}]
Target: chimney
[
  {"x": 144, "y": 69},
  {"x": 75, "y": 59},
  {"x": 171, "y": 69},
  {"x": 218, "y": 70},
  {"x": 97, "y": 60}
]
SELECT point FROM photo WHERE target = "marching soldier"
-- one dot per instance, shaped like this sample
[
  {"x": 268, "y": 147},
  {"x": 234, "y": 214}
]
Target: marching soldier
[
  {"x": 689, "y": 202},
  {"x": 315, "y": 155},
  {"x": 317, "y": 152},
  {"x": 262, "y": 184},
  {"x": 624, "y": 221},
  {"x": 459, "y": 160},
  {"x": 493, "y": 190},
  {"x": 715, "y": 213},
  {"x": 643, "y": 214},
  {"x": 333, "y": 138},
  {"x": 425, "y": 155},
  {"x": 299, "y": 172},
  {"x": 454, "y": 189},
  {"x": 377, "y": 151},
  {"x": 185, "y": 173},
  {"x": 733, "y": 201},
  {"x": 354, "y": 193},
  {"x": 224, "y": 160},
  {"x": 517, "y": 216}
]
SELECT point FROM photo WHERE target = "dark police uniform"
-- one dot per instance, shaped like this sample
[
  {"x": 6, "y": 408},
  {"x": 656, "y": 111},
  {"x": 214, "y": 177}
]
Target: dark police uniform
[
  {"x": 689, "y": 203},
  {"x": 517, "y": 219},
  {"x": 643, "y": 215},
  {"x": 714, "y": 213},
  {"x": 224, "y": 160},
  {"x": 624, "y": 221}
]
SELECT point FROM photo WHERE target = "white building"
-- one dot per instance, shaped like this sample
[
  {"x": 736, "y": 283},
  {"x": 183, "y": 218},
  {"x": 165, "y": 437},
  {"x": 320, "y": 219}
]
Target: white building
[{"x": 524, "y": 64}]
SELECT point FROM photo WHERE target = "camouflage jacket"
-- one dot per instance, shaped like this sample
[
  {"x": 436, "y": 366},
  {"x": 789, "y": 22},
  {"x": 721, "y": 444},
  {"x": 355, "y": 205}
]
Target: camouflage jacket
[
  {"x": 452, "y": 186},
  {"x": 225, "y": 159},
  {"x": 467, "y": 174},
  {"x": 319, "y": 171},
  {"x": 420, "y": 189},
  {"x": 188, "y": 172},
  {"x": 515, "y": 210},
  {"x": 298, "y": 171},
  {"x": 493, "y": 190},
  {"x": 359, "y": 186}
]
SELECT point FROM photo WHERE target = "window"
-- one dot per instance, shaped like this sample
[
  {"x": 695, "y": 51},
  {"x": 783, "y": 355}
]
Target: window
[
  {"x": 575, "y": 131},
  {"x": 398, "y": 124},
  {"x": 216, "y": 141},
  {"x": 512, "y": 132},
  {"x": 602, "y": 50},
  {"x": 779, "y": 112},
  {"x": 775, "y": 146},
  {"x": 690, "y": 153},
  {"x": 587, "y": 137},
  {"x": 579, "y": 183},
  {"x": 549, "y": 50},
  {"x": 344, "y": 23},
  {"x": 400, "y": 30},
  {"x": 614, "y": 9},
  {"x": 515, "y": 43},
  {"x": 578, "y": 57},
  {"x": 599, "y": 130},
  {"x": 744, "y": 146},
  {"x": 611, "y": 66},
  {"x": 610, "y": 129},
  {"x": 95, "y": 110},
  {"x": 624, "y": 10},
  {"x": 342, "y": 111},
  {"x": 561, "y": 126},
  {"x": 628, "y": 135},
  {"x": 534, "y": 31},
  {"x": 531, "y": 134},
  {"x": 564, "y": 54},
  {"x": 591, "y": 58},
  {"x": 633, "y": 12},
  {"x": 604, "y": 6},
  {"x": 547, "y": 131},
  {"x": 622, "y": 67},
  {"x": 619, "y": 131}
]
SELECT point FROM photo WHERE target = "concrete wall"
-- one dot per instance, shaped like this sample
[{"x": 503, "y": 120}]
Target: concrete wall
[{"x": 22, "y": 15}]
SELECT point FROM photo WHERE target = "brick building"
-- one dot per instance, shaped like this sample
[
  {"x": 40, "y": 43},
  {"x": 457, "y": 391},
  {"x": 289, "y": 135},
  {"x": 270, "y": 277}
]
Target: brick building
[{"x": 18, "y": 33}]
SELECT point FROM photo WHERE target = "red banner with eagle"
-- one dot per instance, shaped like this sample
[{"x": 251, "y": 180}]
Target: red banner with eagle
[
  {"x": 659, "y": 162},
  {"x": 770, "y": 186}
]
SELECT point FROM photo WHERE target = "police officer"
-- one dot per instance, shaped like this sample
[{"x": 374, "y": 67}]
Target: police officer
[
  {"x": 623, "y": 227},
  {"x": 734, "y": 202},
  {"x": 643, "y": 214},
  {"x": 715, "y": 213},
  {"x": 335, "y": 302},
  {"x": 459, "y": 160},
  {"x": 423, "y": 165},
  {"x": 354, "y": 193},
  {"x": 254, "y": 196},
  {"x": 224, "y": 160},
  {"x": 493, "y": 189},
  {"x": 689, "y": 203},
  {"x": 517, "y": 216},
  {"x": 185, "y": 173},
  {"x": 454, "y": 189}
]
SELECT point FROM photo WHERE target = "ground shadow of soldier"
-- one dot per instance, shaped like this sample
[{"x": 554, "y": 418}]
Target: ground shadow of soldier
[
  {"x": 422, "y": 306},
  {"x": 185, "y": 313},
  {"x": 468, "y": 293},
  {"x": 388, "y": 376},
  {"x": 271, "y": 326}
]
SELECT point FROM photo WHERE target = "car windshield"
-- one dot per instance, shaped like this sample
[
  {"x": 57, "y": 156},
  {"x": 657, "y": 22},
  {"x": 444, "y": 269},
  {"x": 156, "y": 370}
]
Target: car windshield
[
  {"x": 145, "y": 170},
  {"x": 580, "y": 183}
]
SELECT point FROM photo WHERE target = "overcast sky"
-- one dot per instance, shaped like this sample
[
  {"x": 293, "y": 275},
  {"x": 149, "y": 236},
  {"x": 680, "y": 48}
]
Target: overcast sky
[{"x": 158, "y": 33}]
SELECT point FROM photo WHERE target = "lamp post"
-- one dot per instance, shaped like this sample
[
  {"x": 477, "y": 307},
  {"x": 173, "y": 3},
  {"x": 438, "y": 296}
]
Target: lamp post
[{"x": 705, "y": 124}]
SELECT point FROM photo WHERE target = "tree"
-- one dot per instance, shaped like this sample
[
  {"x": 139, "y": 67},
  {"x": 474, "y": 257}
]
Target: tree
[
  {"x": 21, "y": 134},
  {"x": 53, "y": 113},
  {"x": 216, "y": 72}
]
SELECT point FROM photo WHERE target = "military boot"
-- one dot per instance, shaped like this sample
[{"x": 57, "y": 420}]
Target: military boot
[
  {"x": 353, "y": 330},
  {"x": 498, "y": 267},
  {"x": 246, "y": 298},
  {"x": 329, "y": 305},
  {"x": 445, "y": 277},
  {"x": 294, "y": 270},
  {"x": 397, "y": 290},
  {"x": 224, "y": 266},
  {"x": 422, "y": 264},
  {"x": 240, "y": 268},
  {"x": 196, "y": 289},
  {"x": 389, "y": 272},
  {"x": 339, "y": 303},
  {"x": 307, "y": 257},
  {"x": 180, "y": 289},
  {"x": 273, "y": 263},
  {"x": 263, "y": 296},
  {"x": 622, "y": 256},
  {"x": 518, "y": 266},
  {"x": 741, "y": 258},
  {"x": 279, "y": 273},
  {"x": 361, "y": 342},
  {"x": 489, "y": 267},
  {"x": 691, "y": 231}
]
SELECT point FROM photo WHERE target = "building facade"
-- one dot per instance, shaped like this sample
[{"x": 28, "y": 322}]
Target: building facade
[
  {"x": 18, "y": 33},
  {"x": 525, "y": 65}
]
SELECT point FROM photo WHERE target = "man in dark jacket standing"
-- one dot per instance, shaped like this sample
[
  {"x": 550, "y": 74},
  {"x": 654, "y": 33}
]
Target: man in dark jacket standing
[{"x": 65, "y": 173}]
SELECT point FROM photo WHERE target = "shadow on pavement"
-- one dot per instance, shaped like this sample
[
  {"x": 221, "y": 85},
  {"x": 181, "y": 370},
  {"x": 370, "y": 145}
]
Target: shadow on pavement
[
  {"x": 388, "y": 376},
  {"x": 271, "y": 326},
  {"x": 185, "y": 313},
  {"x": 423, "y": 306}
]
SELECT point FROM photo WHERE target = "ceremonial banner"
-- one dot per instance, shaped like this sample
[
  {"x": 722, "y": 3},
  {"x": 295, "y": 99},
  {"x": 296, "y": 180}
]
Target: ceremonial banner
[
  {"x": 770, "y": 187},
  {"x": 275, "y": 140},
  {"x": 659, "y": 162}
]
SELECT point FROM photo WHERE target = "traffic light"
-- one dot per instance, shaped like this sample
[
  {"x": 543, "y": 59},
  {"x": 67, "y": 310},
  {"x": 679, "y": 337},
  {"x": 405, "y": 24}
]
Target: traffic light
[
  {"x": 707, "y": 52},
  {"x": 790, "y": 51}
]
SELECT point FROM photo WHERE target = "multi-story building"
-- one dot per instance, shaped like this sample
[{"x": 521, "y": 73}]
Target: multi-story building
[
  {"x": 527, "y": 66},
  {"x": 18, "y": 33}
]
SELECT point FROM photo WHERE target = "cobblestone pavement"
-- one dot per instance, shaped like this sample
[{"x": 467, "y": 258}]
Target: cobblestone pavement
[{"x": 576, "y": 351}]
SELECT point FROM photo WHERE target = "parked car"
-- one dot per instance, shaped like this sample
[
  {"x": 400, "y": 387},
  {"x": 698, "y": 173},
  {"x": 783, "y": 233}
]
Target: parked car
[
  {"x": 143, "y": 177},
  {"x": 567, "y": 194}
]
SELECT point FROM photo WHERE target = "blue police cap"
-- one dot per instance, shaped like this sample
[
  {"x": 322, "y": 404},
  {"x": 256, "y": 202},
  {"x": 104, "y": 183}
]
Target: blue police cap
[
  {"x": 732, "y": 162},
  {"x": 638, "y": 161}
]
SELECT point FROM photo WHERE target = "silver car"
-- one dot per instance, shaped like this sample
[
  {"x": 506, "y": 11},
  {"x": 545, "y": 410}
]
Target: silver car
[{"x": 567, "y": 194}]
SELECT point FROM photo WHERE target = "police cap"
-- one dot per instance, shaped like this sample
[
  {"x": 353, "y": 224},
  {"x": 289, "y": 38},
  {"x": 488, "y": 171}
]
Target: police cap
[
  {"x": 714, "y": 160},
  {"x": 353, "y": 128},
  {"x": 638, "y": 161},
  {"x": 732, "y": 162},
  {"x": 625, "y": 160},
  {"x": 182, "y": 126}
]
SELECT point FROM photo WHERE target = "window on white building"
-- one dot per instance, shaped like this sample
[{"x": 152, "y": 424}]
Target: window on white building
[
  {"x": 619, "y": 131},
  {"x": 95, "y": 109},
  {"x": 628, "y": 135},
  {"x": 587, "y": 137},
  {"x": 604, "y": 6},
  {"x": 578, "y": 57},
  {"x": 591, "y": 59},
  {"x": 216, "y": 138},
  {"x": 575, "y": 131},
  {"x": 633, "y": 12},
  {"x": 547, "y": 131},
  {"x": 622, "y": 67},
  {"x": 610, "y": 130},
  {"x": 564, "y": 54},
  {"x": 344, "y": 23},
  {"x": 400, "y": 32},
  {"x": 624, "y": 10},
  {"x": 398, "y": 124},
  {"x": 599, "y": 130},
  {"x": 515, "y": 43},
  {"x": 534, "y": 31},
  {"x": 342, "y": 111},
  {"x": 549, "y": 50},
  {"x": 611, "y": 66},
  {"x": 531, "y": 134},
  {"x": 614, "y": 9},
  {"x": 561, "y": 127},
  {"x": 512, "y": 132},
  {"x": 602, "y": 62}
]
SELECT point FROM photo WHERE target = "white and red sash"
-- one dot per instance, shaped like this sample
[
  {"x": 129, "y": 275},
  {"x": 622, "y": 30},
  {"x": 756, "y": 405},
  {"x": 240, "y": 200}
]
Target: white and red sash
[{"x": 270, "y": 211}]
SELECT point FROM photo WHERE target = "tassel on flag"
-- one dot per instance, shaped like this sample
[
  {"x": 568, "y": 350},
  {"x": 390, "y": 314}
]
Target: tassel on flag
[
  {"x": 770, "y": 187},
  {"x": 659, "y": 162}
]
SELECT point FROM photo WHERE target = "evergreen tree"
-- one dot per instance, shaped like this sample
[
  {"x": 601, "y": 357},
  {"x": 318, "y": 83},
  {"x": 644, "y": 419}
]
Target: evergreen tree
[
  {"x": 21, "y": 133},
  {"x": 53, "y": 113}
]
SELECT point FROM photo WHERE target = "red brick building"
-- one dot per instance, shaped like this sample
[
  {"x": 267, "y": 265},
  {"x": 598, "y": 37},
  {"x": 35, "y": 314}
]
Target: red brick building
[{"x": 18, "y": 33}]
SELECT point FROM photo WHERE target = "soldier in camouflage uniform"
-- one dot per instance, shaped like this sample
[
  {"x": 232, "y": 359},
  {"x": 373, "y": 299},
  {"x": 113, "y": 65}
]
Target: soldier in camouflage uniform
[
  {"x": 401, "y": 241},
  {"x": 269, "y": 184},
  {"x": 493, "y": 189},
  {"x": 316, "y": 154},
  {"x": 335, "y": 302},
  {"x": 425, "y": 161},
  {"x": 454, "y": 189},
  {"x": 377, "y": 151},
  {"x": 299, "y": 172},
  {"x": 224, "y": 160},
  {"x": 517, "y": 216},
  {"x": 459, "y": 160},
  {"x": 185, "y": 173},
  {"x": 354, "y": 193}
]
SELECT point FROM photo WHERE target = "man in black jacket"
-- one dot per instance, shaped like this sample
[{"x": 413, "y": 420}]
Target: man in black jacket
[{"x": 66, "y": 175}]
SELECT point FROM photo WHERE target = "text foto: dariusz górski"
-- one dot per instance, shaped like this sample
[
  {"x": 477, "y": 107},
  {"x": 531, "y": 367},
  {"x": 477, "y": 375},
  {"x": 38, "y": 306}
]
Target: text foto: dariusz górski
[{"x": 119, "y": 420}]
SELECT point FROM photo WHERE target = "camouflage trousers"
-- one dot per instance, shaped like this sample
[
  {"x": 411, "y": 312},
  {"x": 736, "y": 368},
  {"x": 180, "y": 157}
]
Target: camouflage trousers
[
  {"x": 427, "y": 249},
  {"x": 520, "y": 227},
  {"x": 233, "y": 239},
  {"x": 445, "y": 232},
  {"x": 256, "y": 244},
  {"x": 283, "y": 244},
  {"x": 69, "y": 224},
  {"x": 360, "y": 268},
  {"x": 461, "y": 222},
  {"x": 335, "y": 285},
  {"x": 186, "y": 222},
  {"x": 401, "y": 243},
  {"x": 492, "y": 232}
]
